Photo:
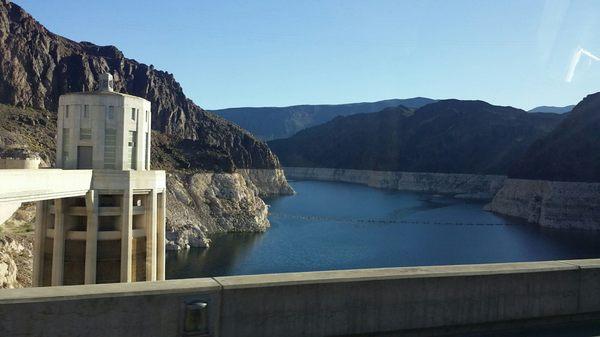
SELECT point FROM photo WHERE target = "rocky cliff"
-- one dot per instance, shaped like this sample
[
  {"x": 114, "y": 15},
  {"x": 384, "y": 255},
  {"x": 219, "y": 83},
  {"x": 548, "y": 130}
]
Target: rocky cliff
[
  {"x": 469, "y": 186},
  {"x": 553, "y": 204},
  {"x": 571, "y": 152},
  {"x": 268, "y": 182},
  {"x": 557, "y": 181}
]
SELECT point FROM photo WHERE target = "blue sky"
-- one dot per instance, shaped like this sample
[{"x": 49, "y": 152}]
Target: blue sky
[{"x": 277, "y": 53}]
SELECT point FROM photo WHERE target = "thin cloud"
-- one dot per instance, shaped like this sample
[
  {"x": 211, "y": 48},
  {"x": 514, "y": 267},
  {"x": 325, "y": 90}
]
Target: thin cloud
[{"x": 575, "y": 61}]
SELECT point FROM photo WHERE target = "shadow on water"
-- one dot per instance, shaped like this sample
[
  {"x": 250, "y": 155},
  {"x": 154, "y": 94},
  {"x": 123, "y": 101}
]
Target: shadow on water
[
  {"x": 344, "y": 226},
  {"x": 220, "y": 259}
]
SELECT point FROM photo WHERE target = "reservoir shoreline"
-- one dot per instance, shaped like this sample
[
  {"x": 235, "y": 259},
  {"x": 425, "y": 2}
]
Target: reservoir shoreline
[
  {"x": 465, "y": 186},
  {"x": 550, "y": 204},
  {"x": 337, "y": 225}
]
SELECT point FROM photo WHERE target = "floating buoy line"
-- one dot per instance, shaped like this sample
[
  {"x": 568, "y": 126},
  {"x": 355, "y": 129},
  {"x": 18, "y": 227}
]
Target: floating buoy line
[{"x": 382, "y": 221}]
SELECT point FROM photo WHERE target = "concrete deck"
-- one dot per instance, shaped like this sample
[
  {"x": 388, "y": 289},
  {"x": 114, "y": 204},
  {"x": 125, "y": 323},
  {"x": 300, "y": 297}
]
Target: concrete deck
[
  {"x": 24, "y": 185},
  {"x": 386, "y": 301}
]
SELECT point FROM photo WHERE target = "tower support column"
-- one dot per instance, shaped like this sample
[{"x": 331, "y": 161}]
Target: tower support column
[
  {"x": 91, "y": 238},
  {"x": 58, "y": 249},
  {"x": 151, "y": 228},
  {"x": 160, "y": 237},
  {"x": 39, "y": 242},
  {"x": 126, "y": 234}
]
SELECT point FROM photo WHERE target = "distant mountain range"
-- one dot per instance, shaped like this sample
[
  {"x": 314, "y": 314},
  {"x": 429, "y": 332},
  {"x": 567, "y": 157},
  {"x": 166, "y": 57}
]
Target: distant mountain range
[
  {"x": 451, "y": 136},
  {"x": 553, "y": 109},
  {"x": 571, "y": 152},
  {"x": 268, "y": 123},
  {"x": 281, "y": 122}
]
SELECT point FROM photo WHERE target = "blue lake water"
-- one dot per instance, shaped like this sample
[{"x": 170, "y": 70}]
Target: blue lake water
[{"x": 329, "y": 225}]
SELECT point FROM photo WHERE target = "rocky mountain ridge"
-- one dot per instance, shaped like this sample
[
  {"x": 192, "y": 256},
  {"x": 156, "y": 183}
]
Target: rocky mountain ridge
[{"x": 448, "y": 136}]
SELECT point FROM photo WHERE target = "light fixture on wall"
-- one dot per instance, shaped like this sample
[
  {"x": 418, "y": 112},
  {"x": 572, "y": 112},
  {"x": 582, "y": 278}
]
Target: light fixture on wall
[{"x": 195, "y": 320}]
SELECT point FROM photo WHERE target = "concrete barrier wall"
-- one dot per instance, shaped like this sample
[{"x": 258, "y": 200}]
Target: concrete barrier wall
[
  {"x": 140, "y": 309},
  {"x": 332, "y": 303}
]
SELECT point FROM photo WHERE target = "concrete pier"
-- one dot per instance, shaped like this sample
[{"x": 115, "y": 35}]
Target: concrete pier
[
  {"x": 108, "y": 234},
  {"x": 422, "y": 301}
]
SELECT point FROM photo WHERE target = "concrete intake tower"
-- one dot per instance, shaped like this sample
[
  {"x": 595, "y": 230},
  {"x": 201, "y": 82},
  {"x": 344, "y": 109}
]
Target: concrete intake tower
[{"x": 115, "y": 231}]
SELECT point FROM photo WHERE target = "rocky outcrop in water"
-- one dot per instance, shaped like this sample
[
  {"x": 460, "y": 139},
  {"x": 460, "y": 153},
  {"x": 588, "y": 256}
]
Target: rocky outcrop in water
[
  {"x": 550, "y": 203},
  {"x": 203, "y": 203},
  {"x": 469, "y": 186},
  {"x": 268, "y": 182},
  {"x": 200, "y": 204}
]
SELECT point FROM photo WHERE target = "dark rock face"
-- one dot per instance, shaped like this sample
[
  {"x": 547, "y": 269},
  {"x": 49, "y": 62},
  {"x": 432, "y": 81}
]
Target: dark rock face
[
  {"x": 37, "y": 66},
  {"x": 449, "y": 136},
  {"x": 571, "y": 152},
  {"x": 27, "y": 133},
  {"x": 281, "y": 122}
]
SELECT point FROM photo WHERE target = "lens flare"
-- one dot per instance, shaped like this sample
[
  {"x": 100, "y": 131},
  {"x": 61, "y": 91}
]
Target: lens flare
[{"x": 575, "y": 61}]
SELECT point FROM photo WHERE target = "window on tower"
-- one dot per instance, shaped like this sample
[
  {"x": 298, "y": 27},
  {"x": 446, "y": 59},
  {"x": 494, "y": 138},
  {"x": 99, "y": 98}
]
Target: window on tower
[
  {"x": 65, "y": 146},
  {"x": 85, "y": 133},
  {"x": 132, "y": 149},
  {"x": 110, "y": 145}
]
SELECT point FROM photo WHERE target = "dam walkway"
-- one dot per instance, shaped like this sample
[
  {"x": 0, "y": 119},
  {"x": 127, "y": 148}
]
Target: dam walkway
[{"x": 26, "y": 185}]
